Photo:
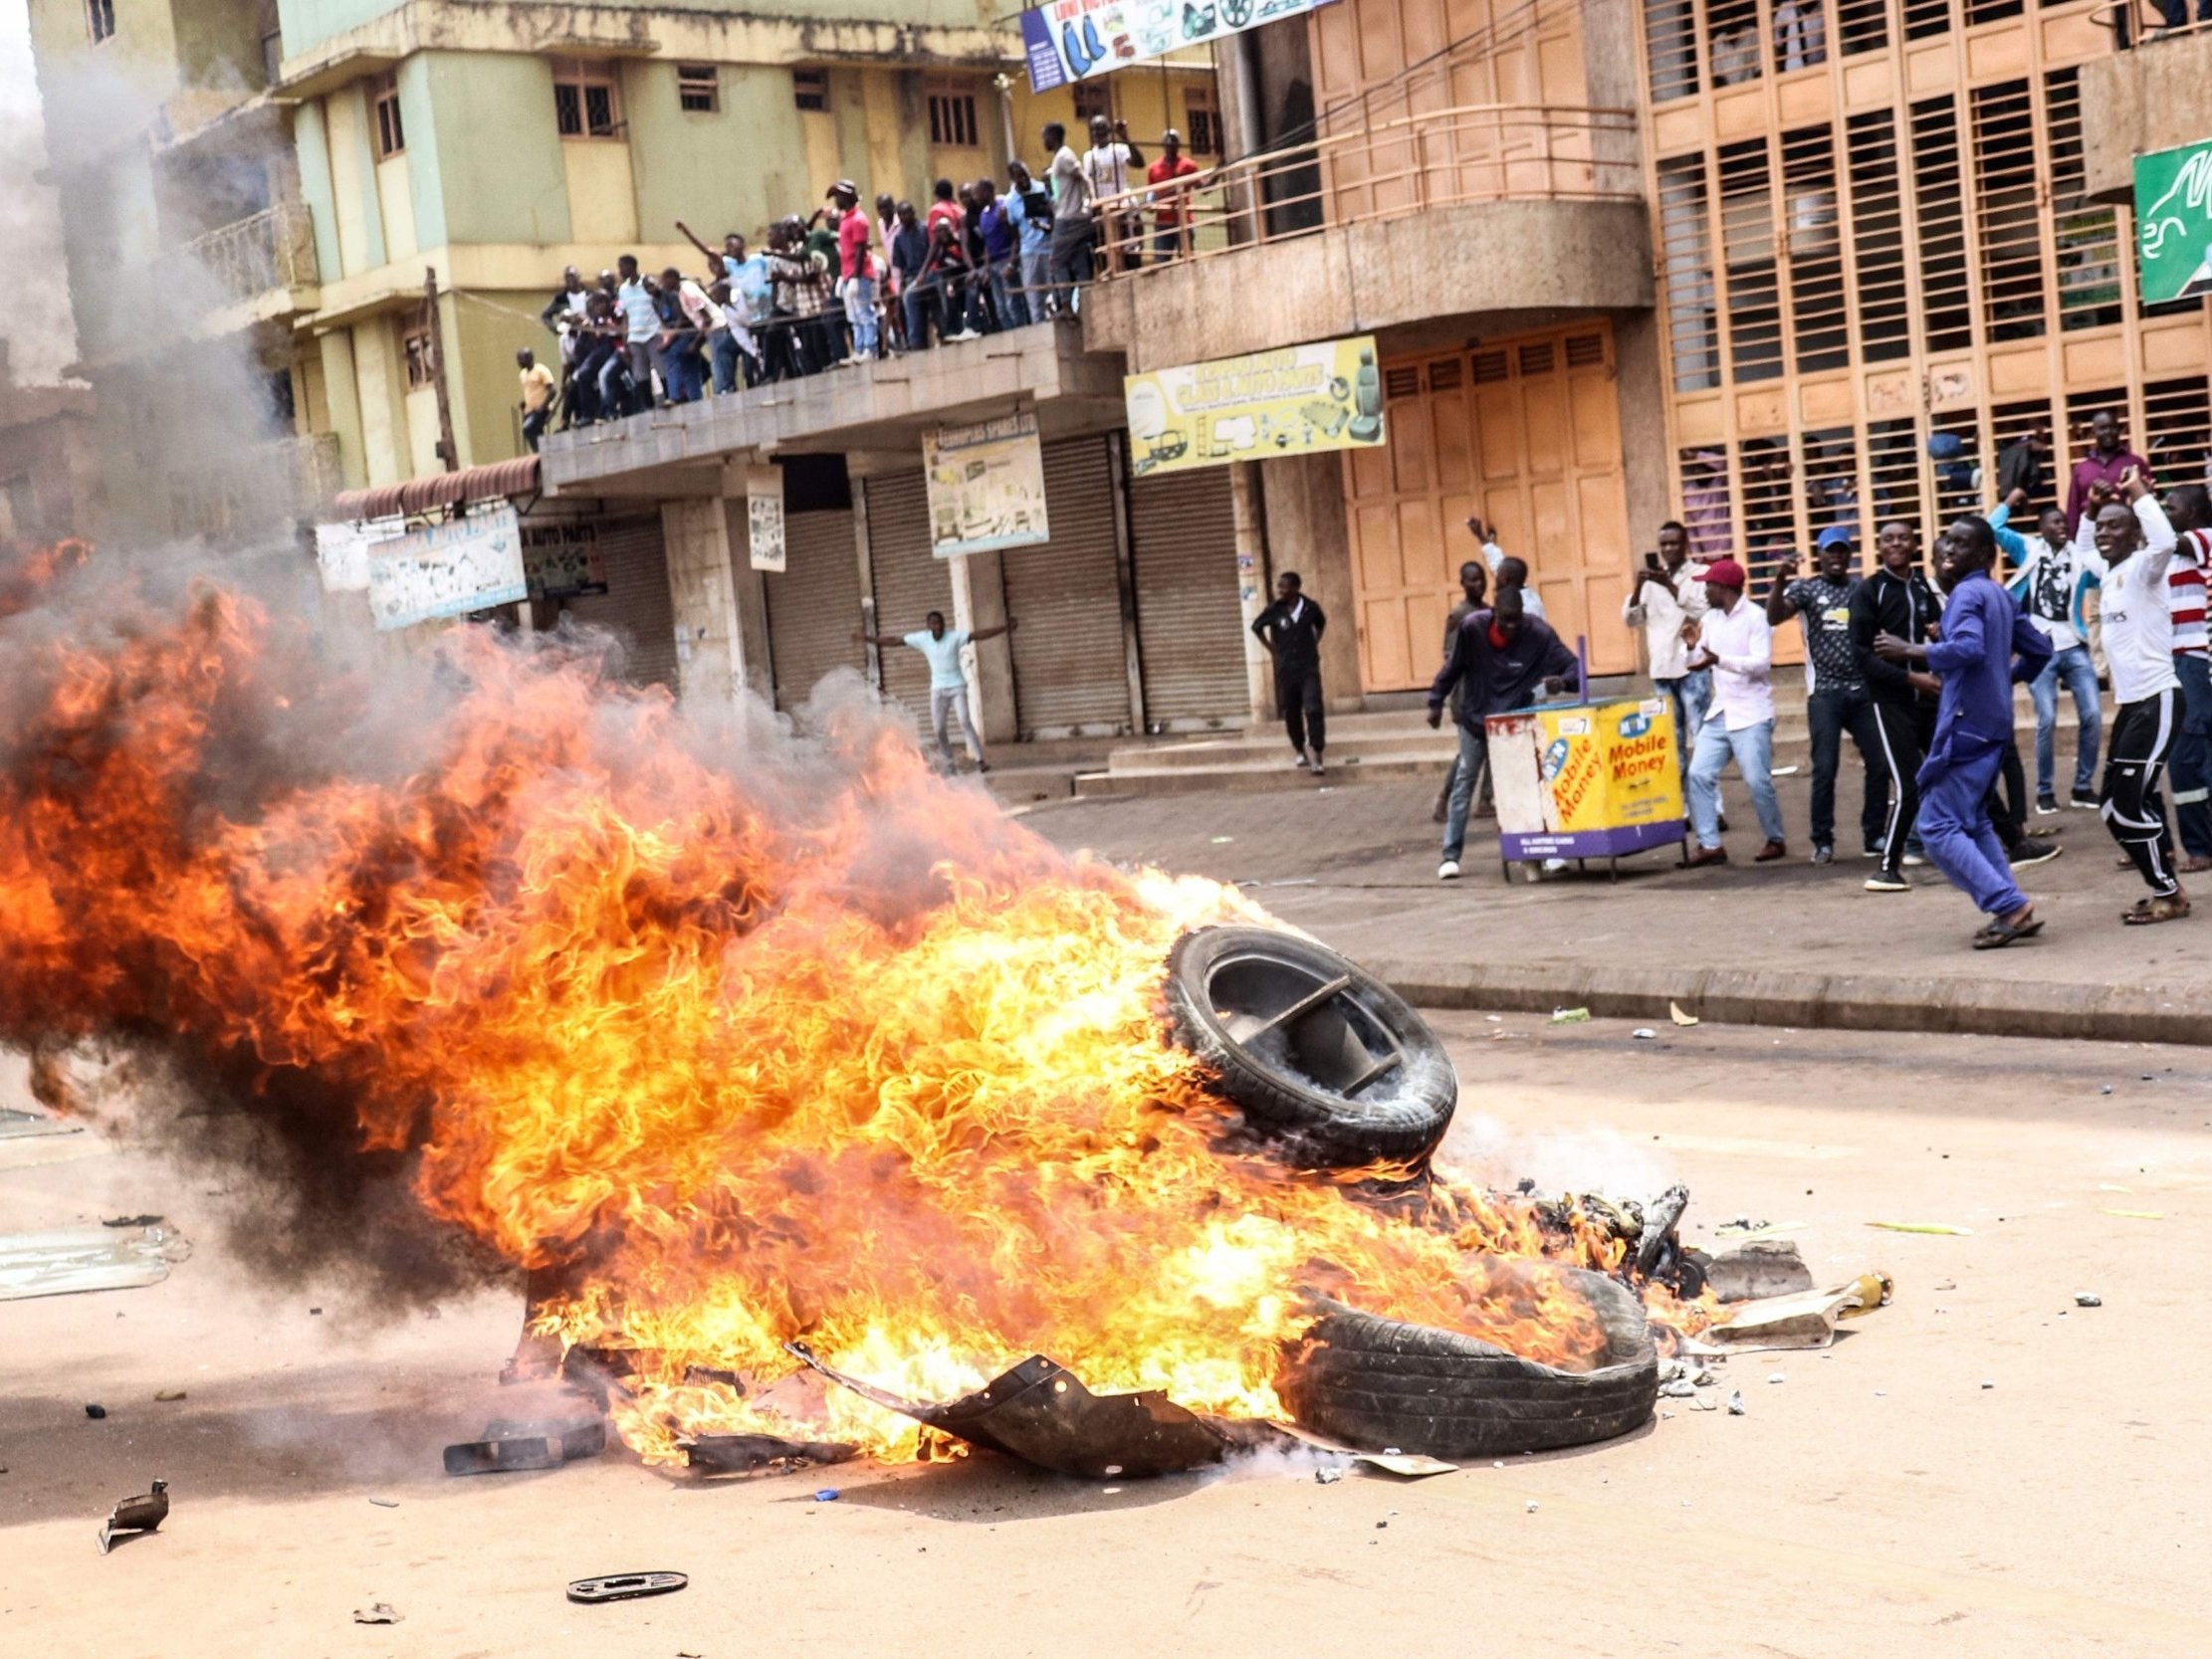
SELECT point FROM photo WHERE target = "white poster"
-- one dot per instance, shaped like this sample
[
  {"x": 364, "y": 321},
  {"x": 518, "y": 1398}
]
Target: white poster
[
  {"x": 342, "y": 551},
  {"x": 763, "y": 516},
  {"x": 987, "y": 486},
  {"x": 448, "y": 569}
]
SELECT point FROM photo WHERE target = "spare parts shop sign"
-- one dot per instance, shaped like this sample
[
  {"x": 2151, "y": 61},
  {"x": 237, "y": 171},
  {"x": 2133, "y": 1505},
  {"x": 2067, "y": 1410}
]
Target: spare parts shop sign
[{"x": 1292, "y": 401}]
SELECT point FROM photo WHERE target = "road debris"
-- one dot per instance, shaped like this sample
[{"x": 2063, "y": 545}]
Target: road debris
[
  {"x": 1735, "y": 1404},
  {"x": 110, "y": 1257},
  {"x": 1327, "y": 1476},
  {"x": 377, "y": 1612},
  {"x": 131, "y": 1221},
  {"x": 508, "y": 1446},
  {"x": 1570, "y": 1017},
  {"x": 1643, "y": 1034},
  {"x": 1674, "y": 1013},
  {"x": 626, "y": 1586},
  {"x": 385, "y": 1503},
  {"x": 828, "y": 1495},
  {"x": 1758, "y": 1270},
  {"x": 741, "y": 1454},
  {"x": 142, "y": 1514},
  {"x": 2087, "y": 1298},
  {"x": 1943, "y": 1227},
  {"x": 2138, "y": 1215},
  {"x": 1532, "y": 1505},
  {"x": 1682, "y": 1389},
  {"x": 168, "y": 1396}
]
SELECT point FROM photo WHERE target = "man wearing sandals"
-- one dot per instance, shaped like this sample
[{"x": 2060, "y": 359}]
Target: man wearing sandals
[
  {"x": 2127, "y": 540},
  {"x": 1987, "y": 643}
]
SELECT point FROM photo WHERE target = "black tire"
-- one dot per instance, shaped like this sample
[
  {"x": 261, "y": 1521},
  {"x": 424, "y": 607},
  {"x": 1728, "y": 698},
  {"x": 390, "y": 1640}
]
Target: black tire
[
  {"x": 1216, "y": 975},
  {"x": 1375, "y": 1383}
]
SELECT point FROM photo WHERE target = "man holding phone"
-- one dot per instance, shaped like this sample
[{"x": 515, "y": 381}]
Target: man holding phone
[{"x": 1666, "y": 593}]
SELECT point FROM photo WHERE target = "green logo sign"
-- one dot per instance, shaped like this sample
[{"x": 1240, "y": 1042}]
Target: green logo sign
[{"x": 2173, "y": 222}]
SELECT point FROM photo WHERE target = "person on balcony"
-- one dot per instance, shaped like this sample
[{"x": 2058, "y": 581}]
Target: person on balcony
[
  {"x": 641, "y": 319},
  {"x": 1001, "y": 254},
  {"x": 1109, "y": 166},
  {"x": 1169, "y": 199},
  {"x": 1029, "y": 210},
  {"x": 856, "y": 268},
  {"x": 1073, "y": 229},
  {"x": 537, "y": 395},
  {"x": 910, "y": 254}
]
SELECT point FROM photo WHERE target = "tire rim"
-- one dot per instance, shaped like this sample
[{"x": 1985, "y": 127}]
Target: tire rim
[{"x": 1294, "y": 1018}]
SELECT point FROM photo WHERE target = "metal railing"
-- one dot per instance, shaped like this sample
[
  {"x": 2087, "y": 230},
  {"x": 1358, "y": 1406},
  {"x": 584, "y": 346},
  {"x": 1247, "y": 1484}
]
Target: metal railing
[
  {"x": 275, "y": 249},
  {"x": 1482, "y": 152},
  {"x": 2141, "y": 22}
]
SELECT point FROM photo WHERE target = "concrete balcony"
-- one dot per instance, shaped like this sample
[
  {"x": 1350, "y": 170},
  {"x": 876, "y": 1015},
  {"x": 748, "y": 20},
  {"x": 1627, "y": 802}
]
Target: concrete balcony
[
  {"x": 1482, "y": 219},
  {"x": 2155, "y": 95},
  {"x": 262, "y": 268},
  {"x": 882, "y": 406}
]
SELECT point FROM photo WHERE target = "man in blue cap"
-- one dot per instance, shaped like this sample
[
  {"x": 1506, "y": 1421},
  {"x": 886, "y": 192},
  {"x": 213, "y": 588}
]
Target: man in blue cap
[{"x": 1836, "y": 696}]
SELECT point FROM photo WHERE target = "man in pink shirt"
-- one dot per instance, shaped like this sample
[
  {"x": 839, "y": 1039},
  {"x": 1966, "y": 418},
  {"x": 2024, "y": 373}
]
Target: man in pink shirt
[{"x": 855, "y": 268}]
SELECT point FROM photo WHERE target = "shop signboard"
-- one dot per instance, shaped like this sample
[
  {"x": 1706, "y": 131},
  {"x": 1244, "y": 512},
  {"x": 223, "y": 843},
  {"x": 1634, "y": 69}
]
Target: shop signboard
[
  {"x": 1327, "y": 395},
  {"x": 449, "y": 570},
  {"x": 2173, "y": 222},
  {"x": 1073, "y": 39},
  {"x": 986, "y": 485}
]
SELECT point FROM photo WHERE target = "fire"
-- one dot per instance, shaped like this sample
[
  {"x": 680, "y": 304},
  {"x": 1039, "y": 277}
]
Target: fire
[{"x": 745, "y": 1055}]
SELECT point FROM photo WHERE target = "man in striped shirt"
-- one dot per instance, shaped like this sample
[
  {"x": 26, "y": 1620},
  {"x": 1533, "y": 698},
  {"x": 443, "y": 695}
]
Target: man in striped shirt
[{"x": 2189, "y": 510}]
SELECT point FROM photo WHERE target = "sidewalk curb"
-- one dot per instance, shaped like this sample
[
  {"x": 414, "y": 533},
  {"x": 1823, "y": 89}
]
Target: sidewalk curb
[{"x": 1835, "y": 1002}]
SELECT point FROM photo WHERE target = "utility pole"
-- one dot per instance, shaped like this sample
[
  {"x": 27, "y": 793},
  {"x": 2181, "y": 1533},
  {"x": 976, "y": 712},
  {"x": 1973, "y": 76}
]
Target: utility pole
[{"x": 448, "y": 450}]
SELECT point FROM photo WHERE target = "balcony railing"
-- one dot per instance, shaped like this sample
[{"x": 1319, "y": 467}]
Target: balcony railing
[
  {"x": 2139, "y": 22},
  {"x": 1490, "y": 152},
  {"x": 273, "y": 249}
]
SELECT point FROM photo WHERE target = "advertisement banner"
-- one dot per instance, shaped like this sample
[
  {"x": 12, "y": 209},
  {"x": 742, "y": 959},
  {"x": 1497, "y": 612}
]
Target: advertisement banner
[
  {"x": 987, "y": 486},
  {"x": 1073, "y": 39},
  {"x": 1586, "y": 779},
  {"x": 764, "y": 517},
  {"x": 1302, "y": 398},
  {"x": 2173, "y": 222},
  {"x": 449, "y": 570},
  {"x": 561, "y": 559}
]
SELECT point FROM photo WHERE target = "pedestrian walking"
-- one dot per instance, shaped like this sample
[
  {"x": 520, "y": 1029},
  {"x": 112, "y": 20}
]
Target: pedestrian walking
[
  {"x": 1836, "y": 698},
  {"x": 1291, "y": 629},
  {"x": 1665, "y": 592},
  {"x": 2048, "y": 581},
  {"x": 1734, "y": 641},
  {"x": 2126, "y": 543},
  {"x": 1499, "y": 657},
  {"x": 1474, "y": 587},
  {"x": 1986, "y": 644},
  {"x": 948, "y": 682},
  {"x": 1896, "y": 600}
]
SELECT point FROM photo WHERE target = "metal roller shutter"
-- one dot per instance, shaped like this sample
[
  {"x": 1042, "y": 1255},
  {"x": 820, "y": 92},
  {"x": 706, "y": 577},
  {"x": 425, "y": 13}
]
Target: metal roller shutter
[
  {"x": 637, "y": 607},
  {"x": 813, "y": 604},
  {"x": 1070, "y": 670},
  {"x": 1189, "y": 622},
  {"x": 910, "y": 582}
]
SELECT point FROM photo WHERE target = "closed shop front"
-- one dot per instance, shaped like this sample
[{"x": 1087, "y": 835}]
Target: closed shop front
[
  {"x": 1523, "y": 433},
  {"x": 636, "y": 607},
  {"x": 813, "y": 604},
  {"x": 910, "y": 582},
  {"x": 1070, "y": 665},
  {"x": 1189, "y": 623}
]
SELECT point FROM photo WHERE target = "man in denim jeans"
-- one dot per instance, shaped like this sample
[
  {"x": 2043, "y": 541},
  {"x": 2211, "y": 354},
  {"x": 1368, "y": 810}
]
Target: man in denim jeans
[
  {"x": 1665, "y": 592},
  {"x": 1736, "y": 642},
  {"x": 1498, "y": 658},
  {"x": 2048, "y": 581}
]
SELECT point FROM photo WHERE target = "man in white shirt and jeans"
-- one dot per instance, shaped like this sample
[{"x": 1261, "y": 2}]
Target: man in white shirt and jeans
[
  {"x": 1666, "y": 593},
  {"x": 948, "y": 682},
  {"x": 1736, "y": 642}
]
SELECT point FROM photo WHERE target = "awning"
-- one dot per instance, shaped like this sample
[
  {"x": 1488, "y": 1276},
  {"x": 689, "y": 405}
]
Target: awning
[{"x": 501, "y": 479}]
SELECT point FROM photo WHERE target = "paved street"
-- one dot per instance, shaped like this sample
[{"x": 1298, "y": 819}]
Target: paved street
[
  {"x": 1880, "y": 1498},
  {"x": 1356, "y": 865}
]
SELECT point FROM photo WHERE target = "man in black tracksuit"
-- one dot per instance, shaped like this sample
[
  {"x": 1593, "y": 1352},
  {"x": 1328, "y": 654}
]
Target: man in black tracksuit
[
  {"x": 1291, "y": 629},
  {"x": 1896, "y": 599}
]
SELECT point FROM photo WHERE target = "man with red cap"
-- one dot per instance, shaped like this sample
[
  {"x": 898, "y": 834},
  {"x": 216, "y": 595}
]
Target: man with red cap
[{"x": 1736, "y": 642}]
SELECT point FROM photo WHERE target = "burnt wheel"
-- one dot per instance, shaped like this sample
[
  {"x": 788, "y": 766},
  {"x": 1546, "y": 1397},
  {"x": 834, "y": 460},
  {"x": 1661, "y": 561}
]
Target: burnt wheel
[
  {"x": 1375, "y": 1383},
  {"x": 1326, "y": 1062}
]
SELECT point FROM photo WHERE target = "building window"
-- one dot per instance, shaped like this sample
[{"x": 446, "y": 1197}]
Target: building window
[
  {"x": 414, "y": 349},
  {"x": 953, "y": 117},
  {"x": 1202, "y": 122},
  {"x": 383, "y": 98},
  {"x": 1093, "y": 97},
  {"x": 585, "y": 102},
  {"x": 99, "y": 18},
  {"x": 698, "y": 89},
  {"x": 810, "y": 89}
]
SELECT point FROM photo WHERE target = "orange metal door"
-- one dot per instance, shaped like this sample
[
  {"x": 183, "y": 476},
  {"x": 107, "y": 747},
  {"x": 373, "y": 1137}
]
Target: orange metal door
[{"x": 1524, "y": 433}]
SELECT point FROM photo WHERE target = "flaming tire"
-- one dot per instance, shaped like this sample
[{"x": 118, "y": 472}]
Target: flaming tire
[
  {"x": 1375, "y": 1383},
  {"x": 1327, "y": 1063}
]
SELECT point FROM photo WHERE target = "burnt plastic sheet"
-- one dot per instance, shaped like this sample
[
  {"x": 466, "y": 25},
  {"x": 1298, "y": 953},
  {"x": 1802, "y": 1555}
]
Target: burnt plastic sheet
[
  {"x": 1041, "y": 1412},
  {"x": 509, "y": 1446},
  {"x": 742, "y": 1454}
]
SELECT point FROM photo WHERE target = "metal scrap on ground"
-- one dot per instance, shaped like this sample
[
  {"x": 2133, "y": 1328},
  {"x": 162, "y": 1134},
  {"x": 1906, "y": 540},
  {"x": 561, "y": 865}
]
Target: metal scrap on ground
[{"x": 79, "y": 1259}]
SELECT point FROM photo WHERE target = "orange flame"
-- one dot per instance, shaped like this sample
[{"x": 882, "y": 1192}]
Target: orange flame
[{"x": 871, "y": 1065}]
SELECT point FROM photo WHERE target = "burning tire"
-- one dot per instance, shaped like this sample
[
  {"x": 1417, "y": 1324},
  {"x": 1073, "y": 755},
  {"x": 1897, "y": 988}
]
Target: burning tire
[
  {"x": 1375, "y": 1383},
  {"x": 1325, "y": 1061}
]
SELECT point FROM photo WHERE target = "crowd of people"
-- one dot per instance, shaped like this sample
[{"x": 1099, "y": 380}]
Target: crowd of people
[
  {"x": 845, "y": 286},
  {"x": 1921, "y": 675}
]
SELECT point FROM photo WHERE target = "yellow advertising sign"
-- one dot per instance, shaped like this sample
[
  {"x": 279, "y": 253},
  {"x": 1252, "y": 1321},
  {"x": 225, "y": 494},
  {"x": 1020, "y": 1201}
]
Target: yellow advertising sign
[
  {"x": 1302, "y": 398},
  {"x": 1611, "y": 766}
]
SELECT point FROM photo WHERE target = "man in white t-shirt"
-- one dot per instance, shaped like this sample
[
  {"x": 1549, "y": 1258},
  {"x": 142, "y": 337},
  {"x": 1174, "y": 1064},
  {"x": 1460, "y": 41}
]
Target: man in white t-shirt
[
  {"x": 948, "y": 681},
  {"x": 1112, "y": 167}
]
